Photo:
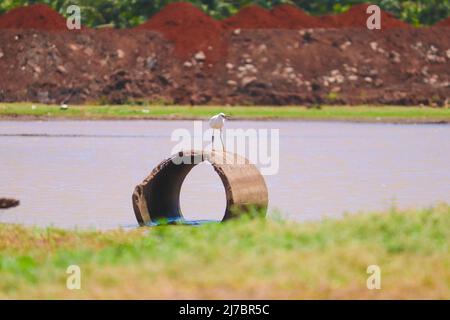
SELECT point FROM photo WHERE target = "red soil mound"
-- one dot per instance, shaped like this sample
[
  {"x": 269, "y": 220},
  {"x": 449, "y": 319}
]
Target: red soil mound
[
  {"x": 444, "y": 23},
  {"x": 253, "y": 17},
  {"x": 190, "y": 30},
  {"x": 37, "y": 16},
  {"x": 357, "y": 16},
  {"x": 295, "y": 18}
]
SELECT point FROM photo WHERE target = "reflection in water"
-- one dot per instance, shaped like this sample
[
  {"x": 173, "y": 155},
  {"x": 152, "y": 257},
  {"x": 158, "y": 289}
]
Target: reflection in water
[{"x": 82, "y": 173}]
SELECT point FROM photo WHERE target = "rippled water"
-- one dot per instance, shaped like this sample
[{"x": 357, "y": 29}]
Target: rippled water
[{"x": 82, "y": 173}]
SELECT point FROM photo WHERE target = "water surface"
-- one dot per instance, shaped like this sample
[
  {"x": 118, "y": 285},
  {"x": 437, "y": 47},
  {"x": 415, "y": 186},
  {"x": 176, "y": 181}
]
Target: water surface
[{"x": 82, "y": 173}]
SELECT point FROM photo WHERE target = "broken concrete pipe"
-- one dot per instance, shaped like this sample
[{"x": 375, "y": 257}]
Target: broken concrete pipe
[
  {"x": 157, "y": 198},
  {"x": 6, "y": 203}
]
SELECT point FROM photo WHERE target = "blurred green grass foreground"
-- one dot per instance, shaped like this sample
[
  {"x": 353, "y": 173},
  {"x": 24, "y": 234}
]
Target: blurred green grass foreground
[{"x": 243, "y": 258}]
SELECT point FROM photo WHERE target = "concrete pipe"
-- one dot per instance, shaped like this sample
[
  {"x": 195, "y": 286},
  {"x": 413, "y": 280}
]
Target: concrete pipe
[
  {"x": 6, "y": 203},
  {"x": 158, "y": 196}
]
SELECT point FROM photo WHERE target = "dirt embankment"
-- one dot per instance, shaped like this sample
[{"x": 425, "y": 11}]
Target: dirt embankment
[
  {"x": 181, "y": 55},
  {"x": 190, "y": 30},
  {"x": 444, "y": 23},
  {"x": 38, "y": 16}
]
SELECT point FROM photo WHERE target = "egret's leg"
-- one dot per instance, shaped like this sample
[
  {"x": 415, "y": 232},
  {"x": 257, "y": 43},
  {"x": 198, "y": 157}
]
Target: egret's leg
[
  {"x": 223, "y": 145},
  {"x": 212, "y": 140}
]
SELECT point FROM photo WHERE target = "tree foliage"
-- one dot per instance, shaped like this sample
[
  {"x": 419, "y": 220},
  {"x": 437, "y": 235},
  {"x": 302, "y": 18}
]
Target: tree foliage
[{"x": 126, "y": 13}]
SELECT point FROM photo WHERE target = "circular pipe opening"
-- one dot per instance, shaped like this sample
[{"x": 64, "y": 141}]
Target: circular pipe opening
[
  {"x": 158, "y": 196},
  {"x": 202, "y": 194}
]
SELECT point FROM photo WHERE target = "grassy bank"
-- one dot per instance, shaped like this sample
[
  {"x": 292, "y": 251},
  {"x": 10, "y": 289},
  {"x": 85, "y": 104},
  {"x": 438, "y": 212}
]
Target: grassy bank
[
  {"x": 239, "y": 259},
  {"x": 26, "y": 111}
]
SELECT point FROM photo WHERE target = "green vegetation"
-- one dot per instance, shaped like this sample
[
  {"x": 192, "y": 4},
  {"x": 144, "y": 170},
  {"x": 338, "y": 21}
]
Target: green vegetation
[
  {"x": 341, "y": 113},
  {"x": 238, "y": 259},
  {"x": 126, "y": 13}
]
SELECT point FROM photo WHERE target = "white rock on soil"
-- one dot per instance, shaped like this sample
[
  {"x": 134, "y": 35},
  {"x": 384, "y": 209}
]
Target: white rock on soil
[
  {"x": 345, "y": 45},
  {"x": 251, "y": 68},
  {"x": 247, "y": 80},
  {"x": 61, "y": 69},
  {"x": 120, "y": 53},
  {"x": 200, "y": 56},
  {"x": 374, "y": 46},
  {"x": 289, "y": 70},
  {"x": 88, "y": 51},
  {"x": 73, "y": 47},
  {"x": 395, "y": 56},
  {"x": 340, "y": 78},
  {"x": 262, "y": 48},
  {"x": 336, "y": 89}
]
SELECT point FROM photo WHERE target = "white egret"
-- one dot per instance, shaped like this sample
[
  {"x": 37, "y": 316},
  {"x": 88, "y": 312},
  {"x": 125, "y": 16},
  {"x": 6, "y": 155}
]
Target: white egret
[{"x": 217, "y": 122}]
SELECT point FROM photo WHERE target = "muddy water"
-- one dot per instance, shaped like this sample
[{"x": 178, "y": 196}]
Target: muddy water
[{"x": 81, "y": 174}]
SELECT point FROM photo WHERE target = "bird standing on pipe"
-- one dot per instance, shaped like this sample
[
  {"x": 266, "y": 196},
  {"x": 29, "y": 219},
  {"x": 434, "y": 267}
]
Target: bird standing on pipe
[{"x": 217, "y": 122}]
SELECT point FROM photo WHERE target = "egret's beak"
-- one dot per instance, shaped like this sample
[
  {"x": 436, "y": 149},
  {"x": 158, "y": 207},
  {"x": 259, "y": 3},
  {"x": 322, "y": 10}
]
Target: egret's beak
[{"x": 227, "y": 117}]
